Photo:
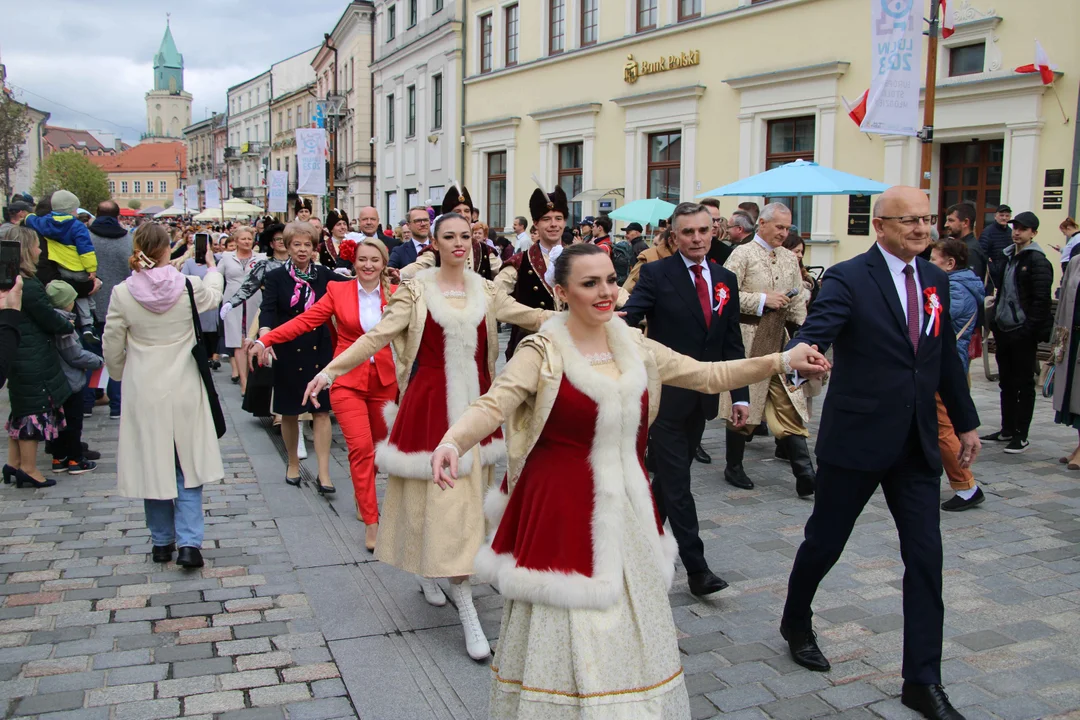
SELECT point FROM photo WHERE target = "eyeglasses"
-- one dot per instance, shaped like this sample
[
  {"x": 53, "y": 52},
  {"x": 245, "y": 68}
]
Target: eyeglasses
[{"x": 912, "y": 220}]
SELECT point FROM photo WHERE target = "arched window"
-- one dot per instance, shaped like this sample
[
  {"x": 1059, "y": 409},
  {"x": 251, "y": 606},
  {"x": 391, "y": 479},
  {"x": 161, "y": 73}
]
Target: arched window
[{"x": 158, "y": 129}]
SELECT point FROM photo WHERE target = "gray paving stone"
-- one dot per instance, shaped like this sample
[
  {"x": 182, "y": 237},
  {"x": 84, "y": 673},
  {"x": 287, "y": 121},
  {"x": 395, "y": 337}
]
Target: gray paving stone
[
  {"x": 265, "y": 713},
  {"x": 983, "y": 640},
  {"x": 98, "y": 713},
  {"x": 148, "y": 709},
  {"x": 71, "y": 681},
  {"x": 198, "y": 608},
  {"x": 137, "y": 674},
  {"x": 180, "y": 653},
  {"x": 798, "y": 708},
  {"x": 323, "y": 709},
  {"x": 263, "y": 629},
  {"x": 50, "y": 702},
  {"x": 844, "y": 697},
  {"x": 703, "y": 643},
  {"x": 194, "y": 668},
  {"x": 332, "y": 687},
  {"x": 121, "y": 659},
  {"x": 787, "y": 686},
  {"x": 740, "y": 697}
]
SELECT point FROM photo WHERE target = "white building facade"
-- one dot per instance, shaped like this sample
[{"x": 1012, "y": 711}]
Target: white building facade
[
  {"x": 417, "y": 102},
  {"x": 249, "y": 137}
]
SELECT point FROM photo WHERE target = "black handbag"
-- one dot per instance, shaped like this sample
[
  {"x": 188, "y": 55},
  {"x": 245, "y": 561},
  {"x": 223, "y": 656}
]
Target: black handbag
[
  {"x": 258, "y": 391},
  {"x": 203, "y": 362}
]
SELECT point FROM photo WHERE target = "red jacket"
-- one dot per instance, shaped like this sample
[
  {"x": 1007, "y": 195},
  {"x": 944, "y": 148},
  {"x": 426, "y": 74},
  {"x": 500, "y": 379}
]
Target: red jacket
[{"x": 341, "y": 302}]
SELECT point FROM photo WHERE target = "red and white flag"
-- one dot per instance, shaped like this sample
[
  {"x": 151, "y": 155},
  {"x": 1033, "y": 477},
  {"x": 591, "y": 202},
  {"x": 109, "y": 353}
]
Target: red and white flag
[
  {"x": 857, "y": 111},
  {"x": 1041, "y": 65},
  {"x": 948, "y": 22},
  {"x": 99, "y": 379}
]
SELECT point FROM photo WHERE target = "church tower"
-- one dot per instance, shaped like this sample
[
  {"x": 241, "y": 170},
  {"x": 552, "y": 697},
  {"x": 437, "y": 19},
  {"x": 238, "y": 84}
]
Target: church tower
[{"x": 168, "y": 107}]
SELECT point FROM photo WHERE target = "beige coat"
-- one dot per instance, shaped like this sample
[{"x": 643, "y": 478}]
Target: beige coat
[
  {"x": 759, "y": 271},
  {"x": 164, "y": 402}
]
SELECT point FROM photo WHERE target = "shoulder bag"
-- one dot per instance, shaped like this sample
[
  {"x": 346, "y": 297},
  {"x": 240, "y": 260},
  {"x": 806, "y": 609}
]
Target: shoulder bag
[{"x": 203, "y": 362}]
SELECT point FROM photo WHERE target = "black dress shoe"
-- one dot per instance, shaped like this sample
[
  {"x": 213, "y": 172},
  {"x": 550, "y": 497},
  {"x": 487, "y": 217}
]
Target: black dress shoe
[
  {"x": 162, "y": 553},
  {"x": 804, "y": 649},
  {"x": 701, "y": 456},
  {"x": 189, "y": 557},
  {"x": 705, "y": 583},
  {"x": 929, "y": 700},
  {"x": 959, "y": 504},
  {"x": 733, "y": 453},
  {"x": 735, "y": 475}
]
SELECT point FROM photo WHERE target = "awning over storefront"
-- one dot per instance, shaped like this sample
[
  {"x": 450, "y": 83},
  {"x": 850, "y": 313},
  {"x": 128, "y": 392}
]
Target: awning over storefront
[{"x": 596, "y": 194}]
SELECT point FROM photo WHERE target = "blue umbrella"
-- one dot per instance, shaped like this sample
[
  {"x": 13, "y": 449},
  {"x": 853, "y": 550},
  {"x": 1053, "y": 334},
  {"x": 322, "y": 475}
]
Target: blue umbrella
[
  {"x": 798, "y": 179},
  {"x": 649, "y": 211}
]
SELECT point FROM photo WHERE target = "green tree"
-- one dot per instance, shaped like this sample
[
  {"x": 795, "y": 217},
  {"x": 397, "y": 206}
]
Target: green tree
[
  {"x": 75, "y": 173},
  {"x": 168, "y": 204},
  {"x": 14, "y": 124},
  {"x": 135, "y": 203}
]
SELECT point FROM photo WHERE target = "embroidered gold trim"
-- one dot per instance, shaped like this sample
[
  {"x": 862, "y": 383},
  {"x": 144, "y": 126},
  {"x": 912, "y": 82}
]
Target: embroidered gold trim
[{"x": 584, "y": 696}]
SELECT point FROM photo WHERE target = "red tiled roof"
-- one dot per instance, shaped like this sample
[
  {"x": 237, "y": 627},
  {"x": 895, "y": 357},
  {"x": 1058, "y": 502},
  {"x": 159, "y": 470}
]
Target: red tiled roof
[
  {"x": 61, "y": 138},
  {"x": 146, "y": 157}
]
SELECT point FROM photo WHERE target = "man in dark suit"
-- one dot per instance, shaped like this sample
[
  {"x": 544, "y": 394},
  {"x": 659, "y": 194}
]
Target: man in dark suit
[
  {"x": 886, "y": 315},
  {"x": 420, "y": 229},
  {"x": 367, "y": 223},
  {"x": 692, "y": 306}
]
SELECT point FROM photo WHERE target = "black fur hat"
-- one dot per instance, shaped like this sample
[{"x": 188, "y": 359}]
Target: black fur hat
[
  {"x": 541, "y": 203},
  {"x": 455, "y": 195},
  {"x": 302, "y": 204}
]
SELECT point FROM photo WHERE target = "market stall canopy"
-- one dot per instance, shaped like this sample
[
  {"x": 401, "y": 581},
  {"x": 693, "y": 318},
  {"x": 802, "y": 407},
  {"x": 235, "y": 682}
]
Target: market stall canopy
[
  {"x": 230, "y": 209},
  {"x": 152, "y": 210},
  {"x": 647, "y": 212},
  {"x": 174, "y": 211},
  {"x": 128, "y": 212},
  {"x": 799, "y": 178},
  {"x": 596, "y": 194}
]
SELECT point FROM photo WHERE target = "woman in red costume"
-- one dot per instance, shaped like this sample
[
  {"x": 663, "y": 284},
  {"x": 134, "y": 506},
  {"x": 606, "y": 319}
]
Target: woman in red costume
[
  {"x": 442, "y": 323},
  {"x": 358, "y": 397},
  {"x": 579, "y": 552}
]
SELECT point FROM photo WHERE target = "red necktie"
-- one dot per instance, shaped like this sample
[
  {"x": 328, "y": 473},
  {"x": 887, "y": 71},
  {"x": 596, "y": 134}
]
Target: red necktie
[
  {"x": 702, "y": 293},
  {"x": 912, "y": 306}
]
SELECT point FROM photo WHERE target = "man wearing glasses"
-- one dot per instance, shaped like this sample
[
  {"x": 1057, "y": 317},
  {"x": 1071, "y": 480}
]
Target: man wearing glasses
[
  {"x": 885, "y": 314},
  {"x": 420, "y": 228}
]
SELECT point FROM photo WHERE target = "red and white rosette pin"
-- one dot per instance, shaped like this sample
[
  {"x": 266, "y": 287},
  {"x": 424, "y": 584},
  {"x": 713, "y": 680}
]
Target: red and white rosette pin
[
  {"x": 933, "y": 309},
  {"x": 721, "y": 294}
]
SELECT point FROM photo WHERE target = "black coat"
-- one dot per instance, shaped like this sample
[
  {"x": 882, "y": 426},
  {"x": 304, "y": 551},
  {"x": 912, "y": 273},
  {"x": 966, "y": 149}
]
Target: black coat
[
  {"x": 9, "y": 341},
  {"x": 879, "y": 385},
  {"x": 993, "y": 241},
  {"x": 1034, "y": 285},
  {"x": 301, "y": 359},
  {"x": 37, "y": 382},
  {"x": 977, "y": 262},
  {"x": 665, "y": 296}
]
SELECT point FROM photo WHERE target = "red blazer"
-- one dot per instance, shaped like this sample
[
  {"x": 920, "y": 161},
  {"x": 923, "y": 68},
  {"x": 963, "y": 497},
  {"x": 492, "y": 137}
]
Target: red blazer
[{"x": 342, "y": 302}]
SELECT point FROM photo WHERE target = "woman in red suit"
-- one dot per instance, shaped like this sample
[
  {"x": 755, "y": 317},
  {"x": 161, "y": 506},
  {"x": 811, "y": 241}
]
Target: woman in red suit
[{"x": 359, "y": 395}]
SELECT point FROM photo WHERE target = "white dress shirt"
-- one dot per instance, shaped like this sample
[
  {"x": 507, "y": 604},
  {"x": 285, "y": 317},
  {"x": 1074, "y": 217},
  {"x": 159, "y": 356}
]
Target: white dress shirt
[
  {"x": 523, "y": 241},
  {"x": 370, "y": 308},
  {"x": 707, "y": 275},
  {"x": 896, "y": 271},
  {"x": 418, "y": 245}
]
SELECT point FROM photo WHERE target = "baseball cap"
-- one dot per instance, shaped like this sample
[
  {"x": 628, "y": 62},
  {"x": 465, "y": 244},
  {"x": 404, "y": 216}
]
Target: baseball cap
[
  {"x": 634, "y": 226},
  {"x": 587, "y": 220},
  {"x": 1026, "y": 219},
  {"x": 1003, "y": 208}
]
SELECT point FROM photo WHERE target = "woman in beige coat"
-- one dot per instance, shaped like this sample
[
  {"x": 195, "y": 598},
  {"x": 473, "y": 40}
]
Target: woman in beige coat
[{"x": 168, "y": 443}]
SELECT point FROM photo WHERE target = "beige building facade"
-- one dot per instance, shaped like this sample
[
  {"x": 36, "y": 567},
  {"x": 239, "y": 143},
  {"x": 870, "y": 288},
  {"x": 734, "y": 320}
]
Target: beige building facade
[
  {"x": 148, "y": 173},
  {"x": 626, "y": 99}
]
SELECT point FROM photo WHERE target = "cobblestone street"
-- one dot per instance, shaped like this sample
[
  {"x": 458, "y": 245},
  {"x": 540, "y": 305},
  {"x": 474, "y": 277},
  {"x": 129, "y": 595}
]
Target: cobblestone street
[{"x": 292, "y": 618}]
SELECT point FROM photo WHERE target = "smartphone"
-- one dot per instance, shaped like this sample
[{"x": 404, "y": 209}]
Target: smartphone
[
  {"x": 10, "y": 258},
  {"x": 201, "y": 241}
]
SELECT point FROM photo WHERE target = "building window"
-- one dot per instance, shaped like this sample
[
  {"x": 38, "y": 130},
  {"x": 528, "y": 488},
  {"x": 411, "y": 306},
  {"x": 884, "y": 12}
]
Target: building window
[
  {"x": 664, "y": 168},
  {"x": 163, "y": 187},
  {"x": 689, "y": 9},
  {"x": 589, "y": 22},
  {"x": 389, "y": 118},
  {"x": 138, "y": 187},
  {"x": 288, "y": 115},
  {"x": 436, "y": 6},
  {"x": 485, "y": 43},
  {"x": 971, "y": 172},
  {"x": 556, "y": 26},
  {"x": 410, "y": 125},
  {"x": 790, "y": 140},
  {"x": 412, "y": 13},
  {"x": 391, "y": 22},
  {"x": 570, "y": 175},
  {"x": 280, "y": 121},
  {"x": 112, "y": 187},
  {"x": 511, "y": 35},
  {"x": 436, "y": 102},
  {"x": 967, "y": 59},
  {"x": 496, "y": 189},
  {"x": 123, "y": 186},
  {"x": 646, "y": 15}
]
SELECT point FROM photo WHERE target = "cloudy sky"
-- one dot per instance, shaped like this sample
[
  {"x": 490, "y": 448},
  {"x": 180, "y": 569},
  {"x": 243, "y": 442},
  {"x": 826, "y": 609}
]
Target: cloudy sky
[{"x": 90, "y": 64}]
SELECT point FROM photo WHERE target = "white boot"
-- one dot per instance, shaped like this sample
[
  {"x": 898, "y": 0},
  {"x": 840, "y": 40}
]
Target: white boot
[
  {"x": 301, "y": 448},
  {"x": 476, "y": 641},
  {"x": 432, "y": 592}
]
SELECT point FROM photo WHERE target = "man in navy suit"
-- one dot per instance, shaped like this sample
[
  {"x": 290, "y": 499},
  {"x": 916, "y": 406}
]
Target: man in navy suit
[
  {"x": 692, "y": 306},
  {"x": 886, "y": 315},
  {"x": 420, "y": 228}
]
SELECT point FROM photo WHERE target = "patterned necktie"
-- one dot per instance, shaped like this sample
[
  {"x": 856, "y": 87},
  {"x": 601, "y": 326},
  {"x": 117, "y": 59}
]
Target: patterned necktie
[
  {"x": 702, "y": 293},
  {"x": 912, "y": 306}
]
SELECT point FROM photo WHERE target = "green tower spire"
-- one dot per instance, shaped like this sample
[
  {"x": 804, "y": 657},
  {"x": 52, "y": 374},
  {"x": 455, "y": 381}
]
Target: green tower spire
[{"x": 168, "y": 65}]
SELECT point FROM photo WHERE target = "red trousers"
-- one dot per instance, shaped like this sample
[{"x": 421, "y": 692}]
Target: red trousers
[{"x": 359, "y": 413}]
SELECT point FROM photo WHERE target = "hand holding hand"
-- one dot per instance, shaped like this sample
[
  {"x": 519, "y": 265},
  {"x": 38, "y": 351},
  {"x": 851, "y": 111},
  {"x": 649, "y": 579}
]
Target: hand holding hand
[
  {"x": 444, "y": 466},
  {"x": 226, "y": 308},
  {"x": 739, "y": 415},
  {"x": 969, "y": 448},
  {"x": 12, "y": 299},
  {"x": 808, "y": 361},
  {"x": 316, "y": 386},
  {"x": 776, "y": 300},
  {"x": 395, "y": 275}
]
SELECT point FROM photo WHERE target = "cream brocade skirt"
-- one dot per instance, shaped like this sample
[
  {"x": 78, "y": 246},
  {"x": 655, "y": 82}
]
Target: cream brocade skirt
[{"x": 621, "y": 663}]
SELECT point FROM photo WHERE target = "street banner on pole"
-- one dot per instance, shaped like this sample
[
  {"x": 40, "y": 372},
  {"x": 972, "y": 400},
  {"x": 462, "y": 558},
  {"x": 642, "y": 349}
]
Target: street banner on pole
[
  {"x": 892, "y": 106},
  {"x": 193, "y": 197},
  {"x": 278, "y": 187},
  {"x": 212, "y": 194},
  {"x": 178, "y": 198},
  {"x": 311, "y": 161}
]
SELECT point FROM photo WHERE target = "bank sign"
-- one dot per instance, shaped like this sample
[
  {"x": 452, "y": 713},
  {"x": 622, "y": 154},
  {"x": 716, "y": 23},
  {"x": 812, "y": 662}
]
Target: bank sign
[
  {"x": 635, "y": 69},
  {"x": 892, "y": 105}
]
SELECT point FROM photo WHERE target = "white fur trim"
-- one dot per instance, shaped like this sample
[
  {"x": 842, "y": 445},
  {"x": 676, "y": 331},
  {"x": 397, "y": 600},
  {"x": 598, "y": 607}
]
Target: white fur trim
[
  {"x": 389, "y": 414},
  {"x": 670, "y": 549},
  {"x": 493, "y": 453},
  {"x": 495, "y": 502},
  {"x": 415, "y": 465},
  {"x": 547, "y": 587}
]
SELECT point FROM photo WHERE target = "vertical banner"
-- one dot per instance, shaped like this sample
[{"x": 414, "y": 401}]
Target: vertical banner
[
  {"x": 193, "y": 198},
  {"x": 311, "y": 161},
  {"x": 892, "y": 106},
  {"x": 277, "y": 191},
  {"x": 178, "y": 198},
  {"x": 211, "y": 194}
]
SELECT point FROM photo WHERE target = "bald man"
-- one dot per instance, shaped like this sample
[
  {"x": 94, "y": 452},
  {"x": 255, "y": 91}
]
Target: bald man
[
  {"x": 885, "y": 313},
  {"x": 368, "y": 223}
]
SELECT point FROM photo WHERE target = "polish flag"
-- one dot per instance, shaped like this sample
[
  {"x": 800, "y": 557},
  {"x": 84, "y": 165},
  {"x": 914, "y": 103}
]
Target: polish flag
[
  {"x": 857, "y": 111},
  {"x": 99, "y": 379},
  {"x": 1041, "y": 65},
  {"x": 948, "y": 22}
]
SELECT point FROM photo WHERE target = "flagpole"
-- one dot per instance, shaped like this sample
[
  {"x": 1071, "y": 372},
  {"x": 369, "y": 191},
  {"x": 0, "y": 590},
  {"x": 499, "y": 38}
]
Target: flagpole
[
  {"x": 927, "y": 133},
  {"x": 1060, "y": 106}
]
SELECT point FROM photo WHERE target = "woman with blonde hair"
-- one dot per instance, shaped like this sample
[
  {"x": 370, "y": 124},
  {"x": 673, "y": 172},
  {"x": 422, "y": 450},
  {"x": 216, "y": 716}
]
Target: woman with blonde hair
[
  {"x": 359, "y": 396},
  {"x": 168, "y": 441},
  {"x": 37, "y": 386},
  {"x": 235, "y": 265}
]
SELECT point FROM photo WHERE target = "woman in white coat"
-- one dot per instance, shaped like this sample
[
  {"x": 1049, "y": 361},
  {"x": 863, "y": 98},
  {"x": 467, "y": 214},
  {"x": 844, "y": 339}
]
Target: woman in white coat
[
  {"x": 168, "y": 444},
  {"x": 235, "y": 266}
]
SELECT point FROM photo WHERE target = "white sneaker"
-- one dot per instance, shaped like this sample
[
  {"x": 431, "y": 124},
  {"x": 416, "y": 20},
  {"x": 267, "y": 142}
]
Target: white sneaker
[
  {"x": 301, "y": 447},
  {"x": 476, "y": 642},
  {"x": 432, "y": 592}
]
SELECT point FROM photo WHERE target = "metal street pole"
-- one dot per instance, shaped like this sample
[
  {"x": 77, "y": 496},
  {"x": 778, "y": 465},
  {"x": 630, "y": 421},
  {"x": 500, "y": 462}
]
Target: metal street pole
[{"x": 927, "y": 133}]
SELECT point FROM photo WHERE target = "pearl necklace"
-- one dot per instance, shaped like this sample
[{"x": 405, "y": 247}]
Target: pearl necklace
[
  {"x": 454, "y": 293},
  {"x": 600, "y": 358}
]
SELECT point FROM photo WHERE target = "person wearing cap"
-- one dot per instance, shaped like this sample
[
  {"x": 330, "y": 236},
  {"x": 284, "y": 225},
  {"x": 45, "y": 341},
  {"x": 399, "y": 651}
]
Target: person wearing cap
[
  {"x": 19, "y": 207},
  {"x": 635, "y": 236},
  {"x": 337, "y": 224},
  {"x": 1019, "y": 315},
  {"x": 586, "y": 227},
  {"x": 995, "y": 237},
  {"x": 302, "y": 209}
]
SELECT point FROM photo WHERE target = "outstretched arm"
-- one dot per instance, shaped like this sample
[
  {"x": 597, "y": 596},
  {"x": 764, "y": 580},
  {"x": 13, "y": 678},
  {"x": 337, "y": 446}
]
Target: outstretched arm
[{"x": 508, "y": 310}]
